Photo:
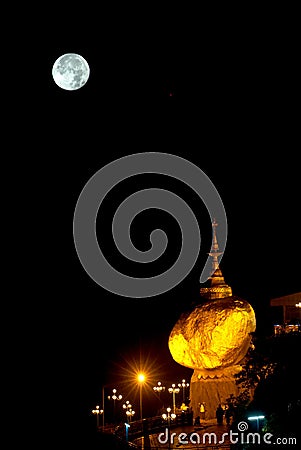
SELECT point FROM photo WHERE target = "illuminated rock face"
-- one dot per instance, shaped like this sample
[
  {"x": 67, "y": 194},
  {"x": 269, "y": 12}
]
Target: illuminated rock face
[
  {"x": 213, "y": 339},
  {"x": 214, "y": 335}
]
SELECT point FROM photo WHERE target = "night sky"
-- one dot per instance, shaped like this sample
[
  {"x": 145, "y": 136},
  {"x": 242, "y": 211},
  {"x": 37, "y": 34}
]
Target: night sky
[{"x": 224, "y": 100}]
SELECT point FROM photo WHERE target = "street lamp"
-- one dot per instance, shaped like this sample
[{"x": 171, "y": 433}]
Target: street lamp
[
  {"x": 159, "y": 388},
  {"x": 129, "y": 412},
  {"x": 97, "y": 411},
  {"x": 173, "y": 390},
  {"x": 169, "y": 417},
  {"x": 104, "y": 387},
  {"x": 115, "y": 397},
  {"x": 183, "y": 385},
  {"x": 257, "y": 418},
  {"x": 141, "y": 380}
]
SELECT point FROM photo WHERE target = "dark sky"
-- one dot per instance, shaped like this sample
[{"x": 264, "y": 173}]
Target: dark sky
[{"x": 225, "y": 101}]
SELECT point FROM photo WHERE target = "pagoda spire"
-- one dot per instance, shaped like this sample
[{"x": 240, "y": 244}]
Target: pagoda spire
[
  {"x": 215, "y": 253},
  {"x": 217, "y": 286}
]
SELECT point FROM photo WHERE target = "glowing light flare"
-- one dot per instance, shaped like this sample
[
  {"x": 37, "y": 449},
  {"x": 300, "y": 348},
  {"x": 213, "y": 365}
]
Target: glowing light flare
[
  {"x": 256, "y": 417},
  {"x": 97, "y": 410},
  {"x": 169, "y": 416},
  {"x": 131, "y": 369},
  {"x": 141, "y": 377}
]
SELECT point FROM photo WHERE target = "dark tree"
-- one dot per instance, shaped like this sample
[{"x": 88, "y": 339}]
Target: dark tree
[{"x": 270, "y": 385}]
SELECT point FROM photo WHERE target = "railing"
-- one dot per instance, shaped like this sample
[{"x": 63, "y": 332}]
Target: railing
[
  {"x": 153, "y": 424},
  {"x": 139, "y": 430}
]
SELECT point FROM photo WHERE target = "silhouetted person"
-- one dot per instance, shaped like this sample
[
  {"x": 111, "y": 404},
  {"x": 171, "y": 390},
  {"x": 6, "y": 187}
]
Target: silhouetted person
[
  {"x": 219, "y": 414},
  {"x": 228, "y": 415},
  {"x": 197, "y": 421}
]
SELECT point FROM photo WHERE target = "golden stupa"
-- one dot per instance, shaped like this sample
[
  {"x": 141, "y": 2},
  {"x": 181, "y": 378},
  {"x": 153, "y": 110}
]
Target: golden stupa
[{"x": 213, "y": 339}]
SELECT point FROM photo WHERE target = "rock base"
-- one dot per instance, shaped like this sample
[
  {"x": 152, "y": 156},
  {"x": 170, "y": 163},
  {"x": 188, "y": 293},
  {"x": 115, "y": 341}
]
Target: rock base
[{"x": 211, "y": 391}]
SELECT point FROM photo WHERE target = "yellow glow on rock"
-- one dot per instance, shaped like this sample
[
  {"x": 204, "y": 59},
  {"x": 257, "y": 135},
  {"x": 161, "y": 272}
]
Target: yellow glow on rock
[{"x": 214, "y": 335}]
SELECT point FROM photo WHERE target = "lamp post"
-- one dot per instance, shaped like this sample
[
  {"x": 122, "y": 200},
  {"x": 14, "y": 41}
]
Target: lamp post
[
  {"x": 104, "y": 387},
  {"x": 103, "y": 404},
  {"x": 129, "y": 412},
  {"x": 115, "y": 397},
  {"x": 174, "y": 390},
  {"x": 257, "y": 418},
  {"x": 159, "y": 388},
  {"x": 141, "y": 380},
  {"x": 183, "y": 385},
  {"x": 169, "y": 417},
  {"x": 97, "y": 411}
]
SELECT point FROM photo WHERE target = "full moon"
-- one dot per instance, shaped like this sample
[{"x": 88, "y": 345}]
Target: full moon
[{"x": 70, "y": 71}]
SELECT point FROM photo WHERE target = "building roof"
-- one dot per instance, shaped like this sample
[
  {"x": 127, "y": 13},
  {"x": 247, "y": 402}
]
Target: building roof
[{"x": 287, "y": 300}]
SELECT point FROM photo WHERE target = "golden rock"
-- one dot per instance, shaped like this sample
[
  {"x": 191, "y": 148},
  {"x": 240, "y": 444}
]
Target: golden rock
[
  {"x": 213, "y": 339},
  {"x": 214, "y": 335}
]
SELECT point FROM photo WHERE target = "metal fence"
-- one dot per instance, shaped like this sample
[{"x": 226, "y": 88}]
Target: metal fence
[
  {"x": 139, "y": 430},
  {"x": 153, "y": 424}
]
